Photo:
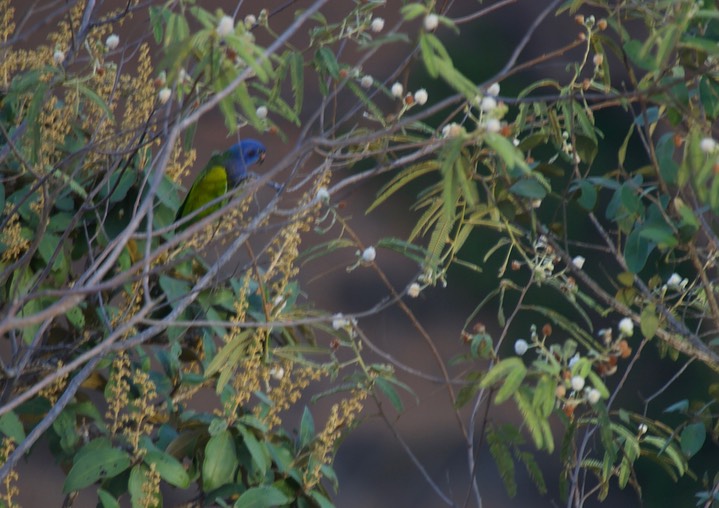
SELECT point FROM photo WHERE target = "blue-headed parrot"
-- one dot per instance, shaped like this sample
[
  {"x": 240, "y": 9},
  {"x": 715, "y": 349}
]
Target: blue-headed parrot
[{"x": 224, "y": 171}]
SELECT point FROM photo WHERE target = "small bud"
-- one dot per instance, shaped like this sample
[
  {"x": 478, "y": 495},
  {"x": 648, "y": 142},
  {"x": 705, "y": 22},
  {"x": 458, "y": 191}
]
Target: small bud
[
  {"x": 339, "y": 321},
  {"x": 624, "y": 349},
  {"x": 560, "y": 391},
  {"x": 578, "y": 261},
  {"x": 323, "y": 195},
  {"x": 674, "y": 281},
  {"x": 547, "y": 330},
  {"x": 582, "y": 36},
  {"x": 112, "y": 42},
  {"x": 516, "y": 265},
  {"x": 369, "y": 254},
  {"x": 250, "y": 20},
  {"x": 431, "y": 21},
  {"x": 598, "y": 59},
  {"x": 366, "y": 81},
  {"x": 452, "y": 130},
  {"x": 593, "y": 396},
  {"x": 494, "y": 125},
  {"x": 397, "y": 90},
  {"x": 708, "y": 145},
  {"x": 626, "y": 327},
  {"x": 493, "y": 90},
  {"x": 577, "y": 383},
  {"x": 261, "y": 112},
  {"x": 377, "y": 25},
  {"x": 520, "y": 347},
  {"x": 421, "y": 96},
  {"x": 58, "y": 57},
  {"x": 277, "y": 373},
  {"x": 226, "y": 26},
  {"x": 164, "y": 95},
  {"x": 602, "y": 24},
  {"x": 579, "y": 19},
  {"x": 642, "y": 429},
  {"x": 488, "y": 104},
  {"x": 413, "y": 290}
]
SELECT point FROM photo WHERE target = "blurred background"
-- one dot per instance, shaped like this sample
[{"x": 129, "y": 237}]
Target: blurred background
[{"x": 373, "y": 467}]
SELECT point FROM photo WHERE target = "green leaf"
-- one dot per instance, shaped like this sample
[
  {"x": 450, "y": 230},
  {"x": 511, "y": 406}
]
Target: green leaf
[
  {"x": 158, "y": 18},
  {"x": 661, "y": 234},
  {"x": 322, "y": 501},
  {"x": 511, "y": 156},
  {"x": 11, "y": 426},
  {"x": 414, "y": 10},
  {"x": 140, "y": 495},
  {"x": 328, "y": 62},
  {"x": 117, "y": 186},
  {"x": 598, "y": 384},
  {"x": 511, "y": 383},
  {"x": 258, "y": 451},
  {"x": 545, "y": 395},
  {"x": 709, "y": 94},
  {"x": 227, "y": 358},
  {"x": 465, "y": 394},
  {"x": 669, "y": 449},
  {"x": 637, "y": 250},
  {"x": 678, "y": 407},
  {"x": 639, "y": 55},
  {"x": 502, "y": 369},
  {"x": 588, "y": 197},
  {"x": 176, "y": 29},
  {"x": 538, "y": 427},
  {"x": 390, "y": 392},
  {"x": 297, "y": 76},
  {"x": 93, "y": 97},
  {"x": 534, "y": 471},
  {"x": 692, "y": 438},
  {"x": 263, "y": 497},
  {"x": 76, "y": 318},
  {"x": 503, "y": 458},
  {"x": 529, "y": 188},
  {"x": 587, "y": 148},
  {"x": 220, "y": 463},
  {"x": 174, "y": 289},
  {"x": 97, "y": 460},
  {"x": 668, "y": 167},
  {"x": 649, "y": 321},
  {"x": 64, "y": 427},
  {"x": 307, "y": 428},
  {"x": 168, "y": 467},
  {"x": 107, "y": 500}
]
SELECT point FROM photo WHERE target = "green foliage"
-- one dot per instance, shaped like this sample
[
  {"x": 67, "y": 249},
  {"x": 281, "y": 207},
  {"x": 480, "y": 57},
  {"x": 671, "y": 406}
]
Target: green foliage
[{"x": 147, "y": 355}]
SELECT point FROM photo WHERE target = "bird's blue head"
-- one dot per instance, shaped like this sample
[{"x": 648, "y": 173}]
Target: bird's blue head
[{"x": 241, "y": 156}]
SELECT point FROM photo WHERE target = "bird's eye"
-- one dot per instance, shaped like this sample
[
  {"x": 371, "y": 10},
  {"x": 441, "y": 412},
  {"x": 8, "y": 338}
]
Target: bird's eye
[{"x": 251, "y": 153}]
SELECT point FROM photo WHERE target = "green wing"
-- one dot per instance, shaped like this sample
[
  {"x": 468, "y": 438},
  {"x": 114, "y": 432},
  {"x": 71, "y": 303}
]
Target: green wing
[{"x": 209, "y": 185}]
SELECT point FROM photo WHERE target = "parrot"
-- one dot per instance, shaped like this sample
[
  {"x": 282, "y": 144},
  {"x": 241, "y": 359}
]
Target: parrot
[{"x": 224, "y": 171}]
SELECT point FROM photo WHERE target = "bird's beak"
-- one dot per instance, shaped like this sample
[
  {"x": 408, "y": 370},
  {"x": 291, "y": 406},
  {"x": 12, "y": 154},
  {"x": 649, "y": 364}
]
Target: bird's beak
[{"x": 262, "y": 157}]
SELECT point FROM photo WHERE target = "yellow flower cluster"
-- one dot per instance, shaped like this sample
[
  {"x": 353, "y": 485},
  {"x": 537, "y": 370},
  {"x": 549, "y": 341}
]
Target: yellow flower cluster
[
  {"x": 53, "y": 391},
  {"x": 343, "y": 416},
  {"x": 131, "y": 418},
  {"x": 291, "y": 384},
  {"x": 11, "y": 236},
  {"x": 10, "y": 489}
]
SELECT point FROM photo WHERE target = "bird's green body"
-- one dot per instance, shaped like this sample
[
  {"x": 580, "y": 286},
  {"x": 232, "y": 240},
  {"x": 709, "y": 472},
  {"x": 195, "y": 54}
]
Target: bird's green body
[{"x": 224, "y": 171}]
